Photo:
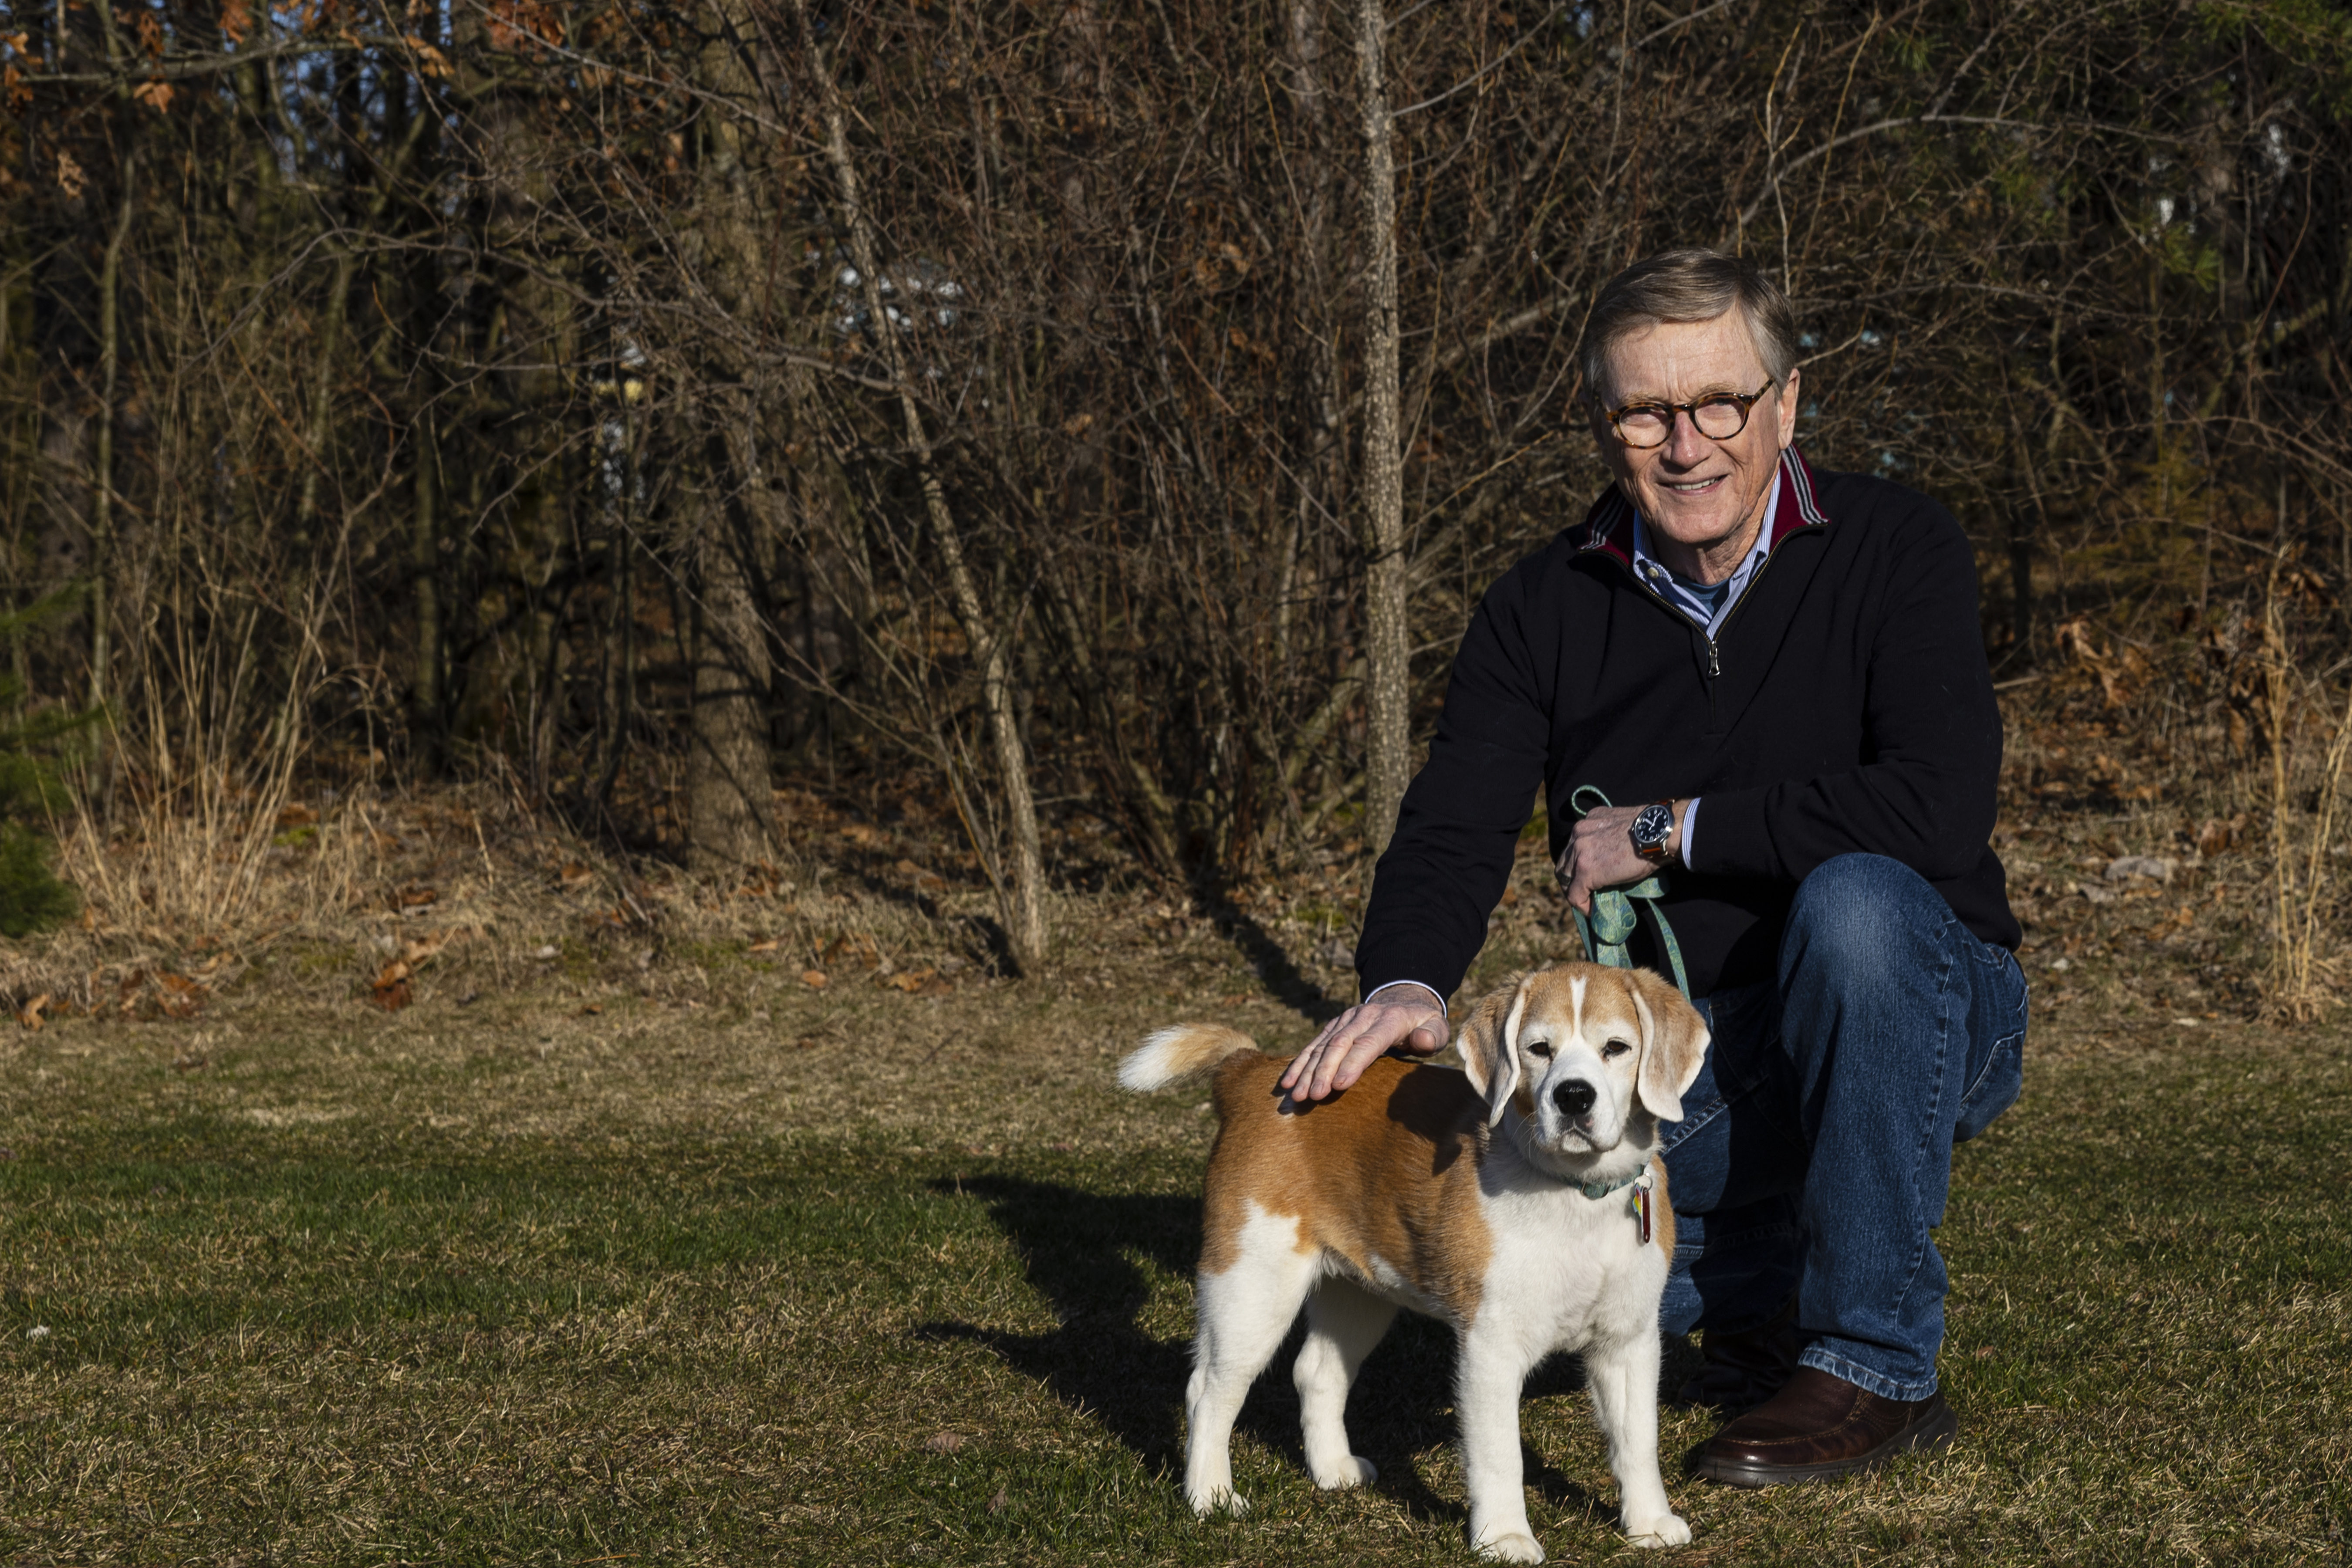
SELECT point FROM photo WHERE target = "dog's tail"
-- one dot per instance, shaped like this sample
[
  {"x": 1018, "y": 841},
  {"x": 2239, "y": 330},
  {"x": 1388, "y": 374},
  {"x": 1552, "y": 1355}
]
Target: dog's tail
[{"x": 1179, "y": 1052}]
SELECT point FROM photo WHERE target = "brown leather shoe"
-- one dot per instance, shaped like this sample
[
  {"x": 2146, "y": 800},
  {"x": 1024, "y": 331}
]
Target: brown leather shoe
[
  {"x": 1744, "y": 1370},
  {"x": 1820, "y": 1425}
]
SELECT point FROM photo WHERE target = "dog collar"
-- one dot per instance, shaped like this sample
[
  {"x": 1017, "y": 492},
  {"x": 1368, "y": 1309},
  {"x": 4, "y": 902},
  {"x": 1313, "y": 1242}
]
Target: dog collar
[{"x": 1598, "y": 1190}]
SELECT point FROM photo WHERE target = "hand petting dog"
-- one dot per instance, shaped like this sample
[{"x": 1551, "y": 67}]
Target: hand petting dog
[{"x": 1407, "y": 1016}]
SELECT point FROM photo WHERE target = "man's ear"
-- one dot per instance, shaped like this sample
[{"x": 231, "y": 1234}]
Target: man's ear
[
  {"x": 1674, "y": 1044},
  {"x": 1490, "y": 1044}
]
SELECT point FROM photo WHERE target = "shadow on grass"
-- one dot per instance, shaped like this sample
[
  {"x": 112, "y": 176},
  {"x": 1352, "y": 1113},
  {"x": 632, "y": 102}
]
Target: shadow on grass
[
  {"x": 1085, "y": 1251},
  {"x": 1267, "y": 956}
]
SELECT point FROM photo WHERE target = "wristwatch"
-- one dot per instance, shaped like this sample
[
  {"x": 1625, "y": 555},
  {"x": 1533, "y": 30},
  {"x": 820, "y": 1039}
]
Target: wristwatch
[{"x": 1652, "y": 827}]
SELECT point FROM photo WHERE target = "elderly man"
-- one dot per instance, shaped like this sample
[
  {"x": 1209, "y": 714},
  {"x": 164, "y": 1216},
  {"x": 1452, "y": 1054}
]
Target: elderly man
[{"x": 1777, "y": 674}]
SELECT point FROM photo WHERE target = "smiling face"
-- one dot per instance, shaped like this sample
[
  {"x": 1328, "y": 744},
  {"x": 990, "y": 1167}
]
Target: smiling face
[
  {"x": 1703, "y": 499},
  {"x": 1590, "y": 1060}
]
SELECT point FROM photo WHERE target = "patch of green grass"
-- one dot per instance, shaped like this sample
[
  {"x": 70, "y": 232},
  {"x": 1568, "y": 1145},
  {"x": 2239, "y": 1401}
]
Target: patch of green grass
[{"x": 903, "y": 1280}]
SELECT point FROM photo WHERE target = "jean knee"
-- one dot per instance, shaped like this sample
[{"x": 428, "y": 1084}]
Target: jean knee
[{"x": 1858, "y": 910}]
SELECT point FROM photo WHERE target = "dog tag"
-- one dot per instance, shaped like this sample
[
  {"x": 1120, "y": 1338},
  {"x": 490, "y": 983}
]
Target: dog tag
[{"x": 1641, "y": 1211}]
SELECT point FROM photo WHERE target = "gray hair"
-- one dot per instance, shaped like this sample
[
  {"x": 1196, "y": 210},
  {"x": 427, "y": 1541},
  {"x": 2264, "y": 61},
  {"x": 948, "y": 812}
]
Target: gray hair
[{"x": 1689, "y": 285}]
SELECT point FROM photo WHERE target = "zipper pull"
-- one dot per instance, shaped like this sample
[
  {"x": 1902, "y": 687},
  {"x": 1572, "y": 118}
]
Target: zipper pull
[{"x": 1714, "y": 664}]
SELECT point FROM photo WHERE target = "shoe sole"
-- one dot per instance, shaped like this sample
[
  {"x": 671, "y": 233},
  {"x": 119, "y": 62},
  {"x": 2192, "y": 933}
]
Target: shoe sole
[{"x": 1934, "y": 1432}]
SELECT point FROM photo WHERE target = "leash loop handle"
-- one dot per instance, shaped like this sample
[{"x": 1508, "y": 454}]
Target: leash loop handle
[{"x": 1616, "y": 912}]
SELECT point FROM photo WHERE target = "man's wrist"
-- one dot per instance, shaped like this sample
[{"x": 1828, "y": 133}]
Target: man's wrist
[
  {"x": 1428, "y": 991},
  {"x": 1652, "y": 831}
]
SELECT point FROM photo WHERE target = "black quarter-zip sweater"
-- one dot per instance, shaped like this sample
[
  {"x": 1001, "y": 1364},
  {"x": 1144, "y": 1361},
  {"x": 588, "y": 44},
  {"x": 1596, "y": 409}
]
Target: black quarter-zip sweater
[{"x": 1844, "y": 705}]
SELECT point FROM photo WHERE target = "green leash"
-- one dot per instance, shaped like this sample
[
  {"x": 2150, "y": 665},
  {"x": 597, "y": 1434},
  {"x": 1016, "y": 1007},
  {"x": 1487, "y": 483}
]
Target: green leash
[{"x": 1614, "y": 919}]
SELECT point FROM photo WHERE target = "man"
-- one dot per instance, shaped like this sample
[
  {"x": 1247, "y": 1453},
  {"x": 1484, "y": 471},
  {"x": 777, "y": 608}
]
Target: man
[{"x": 1788, "y": 663}]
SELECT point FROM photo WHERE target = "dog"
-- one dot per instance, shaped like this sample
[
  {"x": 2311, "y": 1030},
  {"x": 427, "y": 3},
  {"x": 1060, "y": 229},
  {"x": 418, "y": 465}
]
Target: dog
[{"x": 1521, "y": 1200}]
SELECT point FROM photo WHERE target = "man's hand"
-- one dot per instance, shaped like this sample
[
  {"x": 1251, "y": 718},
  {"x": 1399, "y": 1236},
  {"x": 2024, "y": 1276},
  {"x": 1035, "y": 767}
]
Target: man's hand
[
  {"x": 1408, "y": 1016},
  {"x": 1599, "y": 853}
]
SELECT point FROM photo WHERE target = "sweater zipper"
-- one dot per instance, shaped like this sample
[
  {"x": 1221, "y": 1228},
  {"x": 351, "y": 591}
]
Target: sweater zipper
[
  {"x": 1713, "y": 660},
  {"x": 1714, "y": 656},
  {"x": 1714, "y": 651}
]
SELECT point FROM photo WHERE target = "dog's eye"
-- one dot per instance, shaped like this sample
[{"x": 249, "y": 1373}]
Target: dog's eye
[
  {"x": 1614, "y": 1049},
  {"x": 1539, "y": 1049}
]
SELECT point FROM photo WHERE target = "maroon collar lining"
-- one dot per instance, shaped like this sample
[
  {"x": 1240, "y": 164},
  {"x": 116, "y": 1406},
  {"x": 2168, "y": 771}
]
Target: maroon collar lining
[{"x": 1609, "y": 526}]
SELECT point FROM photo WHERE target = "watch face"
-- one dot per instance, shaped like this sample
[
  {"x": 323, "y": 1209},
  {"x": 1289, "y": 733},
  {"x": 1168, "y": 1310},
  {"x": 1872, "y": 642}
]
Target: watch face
[{"x": 1650, "y": 827}]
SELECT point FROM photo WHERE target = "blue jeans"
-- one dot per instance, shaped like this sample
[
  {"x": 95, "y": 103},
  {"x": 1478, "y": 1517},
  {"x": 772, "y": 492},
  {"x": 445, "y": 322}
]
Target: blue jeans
[{"x": 1815, "y": 1152}]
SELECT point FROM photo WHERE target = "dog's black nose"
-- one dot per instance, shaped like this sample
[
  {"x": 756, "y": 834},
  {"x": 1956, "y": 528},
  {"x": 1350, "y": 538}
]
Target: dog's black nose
[{"x": 1574, "y": 1098}]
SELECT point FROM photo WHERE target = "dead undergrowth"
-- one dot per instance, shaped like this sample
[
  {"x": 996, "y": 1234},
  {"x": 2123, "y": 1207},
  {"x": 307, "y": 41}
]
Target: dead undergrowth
[{"x": 2140, "y": 823}]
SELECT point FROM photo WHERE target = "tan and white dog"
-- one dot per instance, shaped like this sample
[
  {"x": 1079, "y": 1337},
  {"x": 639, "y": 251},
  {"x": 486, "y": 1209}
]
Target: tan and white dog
[{"x": 1496, "y": 1199}]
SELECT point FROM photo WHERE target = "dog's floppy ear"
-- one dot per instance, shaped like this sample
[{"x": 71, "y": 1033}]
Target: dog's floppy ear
[
  {"x": 1490, "y": 1044},
  {"x": 1674, "y": 1044}
]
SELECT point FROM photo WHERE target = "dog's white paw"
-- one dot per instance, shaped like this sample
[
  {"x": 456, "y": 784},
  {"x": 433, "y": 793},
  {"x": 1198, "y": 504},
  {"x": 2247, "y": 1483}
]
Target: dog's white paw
[
  {"x": 1517, "y": 1547},
  {"x": 1354, "y": 1471},
  {"x": 1206, "y": 1502},
  {"x": 1666, "y": 1531}
]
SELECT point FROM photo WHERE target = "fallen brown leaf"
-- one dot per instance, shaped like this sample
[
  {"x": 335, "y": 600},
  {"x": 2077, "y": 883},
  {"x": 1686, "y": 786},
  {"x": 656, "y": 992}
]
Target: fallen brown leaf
[
  {"x": 770, "y": 945},
  {"x": 183, "y": 996},
  {"x": 415, "y": 953},
  {"x": 858, "y": 949},
  {"x": 417, "y": 898},
  {"x": 29, "y": 1015},
  {"x": 816, "y": 979},
  {"x": 390, "y": 990}
]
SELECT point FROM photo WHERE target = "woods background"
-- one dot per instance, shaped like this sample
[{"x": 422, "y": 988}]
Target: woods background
[{"x": 1094, "y": 420}]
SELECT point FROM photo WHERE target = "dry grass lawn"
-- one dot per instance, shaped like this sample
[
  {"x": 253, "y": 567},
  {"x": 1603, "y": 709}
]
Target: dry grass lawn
[{"x": 621, "y": 1247}]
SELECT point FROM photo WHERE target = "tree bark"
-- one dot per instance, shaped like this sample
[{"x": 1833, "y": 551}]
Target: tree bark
[
  {"x": 1387, "y": 763},
  {"x": 425, "y": 567},
  {"x": 727, "y": 778},
  {"x": 101, "y": 499}
]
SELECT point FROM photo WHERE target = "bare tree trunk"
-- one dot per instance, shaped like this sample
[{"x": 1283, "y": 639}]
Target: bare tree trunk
[
  {"x": 728, "y": 788},
  {"x": 1321, "y": 406},
  {"x": 1387, "y": 763},
  {"x": 101, "y": 499},
  {"x": 727, "y": 780},
  {"x": 424, "y": 566},
  {"x": 1022, "y": 902}
]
